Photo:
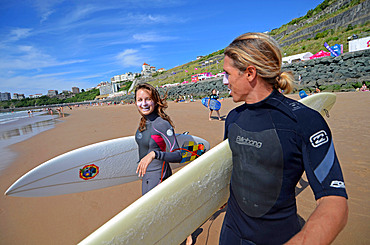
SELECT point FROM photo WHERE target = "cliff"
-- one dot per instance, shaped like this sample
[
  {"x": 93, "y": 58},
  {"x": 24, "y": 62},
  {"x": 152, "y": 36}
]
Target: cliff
[{"x": 356, "y": 15}]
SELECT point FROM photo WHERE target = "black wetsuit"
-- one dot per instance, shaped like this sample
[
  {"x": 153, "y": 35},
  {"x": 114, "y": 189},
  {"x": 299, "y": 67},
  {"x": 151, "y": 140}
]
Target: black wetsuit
[
  {"x": 273, "y": 142},
  {"x": 159, "y": 137}
]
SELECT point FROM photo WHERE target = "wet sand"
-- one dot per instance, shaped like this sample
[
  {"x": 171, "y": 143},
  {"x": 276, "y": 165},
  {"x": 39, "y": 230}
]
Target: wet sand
[{"x": 67, "y": 219}]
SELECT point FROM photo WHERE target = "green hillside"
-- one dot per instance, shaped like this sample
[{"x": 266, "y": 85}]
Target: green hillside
[{"x": 315, "y": 44}]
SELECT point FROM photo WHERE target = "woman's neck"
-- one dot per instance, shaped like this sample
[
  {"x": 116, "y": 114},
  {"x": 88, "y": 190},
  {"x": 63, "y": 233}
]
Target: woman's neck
[{"x": 152, "y": 116}]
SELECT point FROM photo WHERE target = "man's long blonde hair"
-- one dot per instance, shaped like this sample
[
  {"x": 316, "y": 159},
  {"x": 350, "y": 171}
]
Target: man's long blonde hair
[{"x": 261, "y": 51}]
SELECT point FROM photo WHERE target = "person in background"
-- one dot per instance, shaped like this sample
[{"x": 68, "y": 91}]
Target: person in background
[
  {"x": 214, "y": 96},
  {"x": 364, "y": 87},
  {"x": 273, "y": 140}
]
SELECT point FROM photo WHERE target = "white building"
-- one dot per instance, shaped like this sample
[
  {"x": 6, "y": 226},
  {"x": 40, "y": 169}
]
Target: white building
[
  {"x": 52, "y": 93},
  {"x": 35, "y": 96},
  {"x": 148, "y": 70},
  {"x": 5, "y": 96},
  {"x": 128, "y": 76},
  {"x": 359, "y": 44},
  {"x": 108, "y": 88},
  {"x": 297, "y": 57}
]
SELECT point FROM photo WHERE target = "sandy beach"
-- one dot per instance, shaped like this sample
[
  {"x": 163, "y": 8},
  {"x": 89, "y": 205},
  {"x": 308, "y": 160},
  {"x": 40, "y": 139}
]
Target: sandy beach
[{"x": 67, "y": 219}]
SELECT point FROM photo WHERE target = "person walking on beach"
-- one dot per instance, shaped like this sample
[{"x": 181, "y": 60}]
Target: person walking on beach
[
  {"x": 274, "y": 139},
  {"x": 214, "y": 96}
]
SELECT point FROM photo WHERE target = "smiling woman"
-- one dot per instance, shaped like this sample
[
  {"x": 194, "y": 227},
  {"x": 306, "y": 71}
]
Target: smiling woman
[{"x": 155, "y": 137}]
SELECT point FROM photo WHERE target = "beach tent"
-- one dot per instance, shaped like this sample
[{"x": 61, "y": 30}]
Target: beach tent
[
  {"x": 297, "y": 57},
  {"x": 320, "y": 54}
]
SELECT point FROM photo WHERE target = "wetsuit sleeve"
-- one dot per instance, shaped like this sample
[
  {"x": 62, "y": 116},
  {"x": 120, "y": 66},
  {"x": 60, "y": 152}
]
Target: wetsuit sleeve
[
  {"x": 320, "y": 160},
  {"x": 171, "y": 152}
]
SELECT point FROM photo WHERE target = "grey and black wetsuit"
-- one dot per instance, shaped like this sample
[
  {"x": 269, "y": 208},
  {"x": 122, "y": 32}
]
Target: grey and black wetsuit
[
  {"x": 159, "y": 137},
  {"x": 273, "y": 142}
]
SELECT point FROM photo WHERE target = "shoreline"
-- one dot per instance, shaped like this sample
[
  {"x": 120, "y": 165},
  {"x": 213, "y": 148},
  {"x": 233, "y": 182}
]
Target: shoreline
[
  {"x": 67, "y": 219},
  {"x": 20, "y": 129}
]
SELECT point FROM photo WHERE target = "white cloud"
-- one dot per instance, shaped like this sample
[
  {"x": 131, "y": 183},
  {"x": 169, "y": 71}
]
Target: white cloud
[
  {"x": 80, "y": 13},
  {"x": 28, "y": 57},
  {"x": 129, "y": 58},
  {"x": 18, "y": 33},
  {"x": 46, "y": 15},
  {"x": 45, "y": 8},
  {"x": 152, "y": 37}
]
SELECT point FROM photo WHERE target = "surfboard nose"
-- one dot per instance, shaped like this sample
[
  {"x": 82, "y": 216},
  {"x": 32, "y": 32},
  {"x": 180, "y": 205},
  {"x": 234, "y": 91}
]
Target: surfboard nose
[
  {"x": 11, "y": 191},
  {"x": 17, "y": 187}
]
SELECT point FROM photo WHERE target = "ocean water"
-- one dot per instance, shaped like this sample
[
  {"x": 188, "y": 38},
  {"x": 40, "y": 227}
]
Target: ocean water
[{"x": 18, "y": 126}]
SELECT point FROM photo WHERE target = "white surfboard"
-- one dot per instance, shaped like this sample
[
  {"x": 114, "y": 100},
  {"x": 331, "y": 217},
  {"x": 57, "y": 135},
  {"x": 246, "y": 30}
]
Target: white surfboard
[
  {"x": 321, "y": 102},
  {"x": 92, "y": 167},
  {"x": 174, "y": 209}
]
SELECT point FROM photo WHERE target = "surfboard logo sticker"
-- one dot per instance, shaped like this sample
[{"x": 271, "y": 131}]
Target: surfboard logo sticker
[
  {"x": 190, "y": 151},
  {"x": 89, "y": 172}
]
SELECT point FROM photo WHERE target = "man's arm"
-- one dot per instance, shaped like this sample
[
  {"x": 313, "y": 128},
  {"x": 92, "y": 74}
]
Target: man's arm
[{"x": 325, "y": 223}]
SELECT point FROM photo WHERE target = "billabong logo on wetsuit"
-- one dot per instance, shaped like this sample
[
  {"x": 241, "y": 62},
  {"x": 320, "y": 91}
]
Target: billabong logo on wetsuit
[
  {"x": 337, "y": 184},
  {"x": 319, "y": 138},
  {"x": 246, "y": 141}
]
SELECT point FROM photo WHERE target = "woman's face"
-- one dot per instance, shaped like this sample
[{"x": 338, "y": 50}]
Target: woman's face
[{"x": 144, "y": 102}]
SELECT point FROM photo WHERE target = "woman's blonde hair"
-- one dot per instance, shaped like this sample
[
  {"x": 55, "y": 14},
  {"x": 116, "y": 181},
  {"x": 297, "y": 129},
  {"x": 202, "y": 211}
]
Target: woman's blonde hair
[
  {"x": 160, "y": 104},
  {"x": 261, "y": 51}
]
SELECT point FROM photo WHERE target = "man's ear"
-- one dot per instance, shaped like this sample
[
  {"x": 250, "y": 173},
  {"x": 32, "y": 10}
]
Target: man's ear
[{"x": 250, "y": 73}]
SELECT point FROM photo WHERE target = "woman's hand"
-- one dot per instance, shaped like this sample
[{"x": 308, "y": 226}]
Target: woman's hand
[{"x": 144, "y": 163}]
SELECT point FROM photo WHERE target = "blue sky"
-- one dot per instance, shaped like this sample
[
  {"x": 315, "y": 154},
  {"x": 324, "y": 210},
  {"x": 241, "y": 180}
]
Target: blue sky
[{"x": 56, "y": 44}]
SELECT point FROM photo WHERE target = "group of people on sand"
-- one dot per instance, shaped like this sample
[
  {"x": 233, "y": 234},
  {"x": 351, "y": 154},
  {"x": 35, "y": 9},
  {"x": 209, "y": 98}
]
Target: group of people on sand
[
  {"x": 186, "y": 99},
  {"x": 290, "y": 139},
  {"x": 364, "y": 88},
  {"x": 59, "y": 109}
]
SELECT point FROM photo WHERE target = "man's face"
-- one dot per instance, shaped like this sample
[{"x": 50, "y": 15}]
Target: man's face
[{"x": 236, "y": 81}]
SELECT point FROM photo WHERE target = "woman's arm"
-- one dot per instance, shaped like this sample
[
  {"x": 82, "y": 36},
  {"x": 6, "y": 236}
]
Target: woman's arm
[
  {"x": 325, "y": 223},
  {"x": 144, "y": 163}
]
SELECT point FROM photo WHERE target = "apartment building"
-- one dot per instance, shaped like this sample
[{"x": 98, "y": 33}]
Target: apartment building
[{"x": 5, "y": 96}]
